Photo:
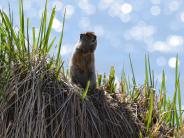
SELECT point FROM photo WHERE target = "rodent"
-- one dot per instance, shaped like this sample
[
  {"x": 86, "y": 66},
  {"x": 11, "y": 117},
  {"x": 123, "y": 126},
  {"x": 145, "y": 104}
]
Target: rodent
[{"x": 82, "y": 64}]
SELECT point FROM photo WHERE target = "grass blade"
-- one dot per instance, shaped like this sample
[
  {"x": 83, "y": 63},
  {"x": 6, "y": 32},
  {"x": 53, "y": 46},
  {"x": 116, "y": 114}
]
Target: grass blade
[
  {"x": 133, "y": 78},
  {"x": 60, "y": 40},
  {"x": 150, "y": 111},
  {"x": 84, "y": 93}
]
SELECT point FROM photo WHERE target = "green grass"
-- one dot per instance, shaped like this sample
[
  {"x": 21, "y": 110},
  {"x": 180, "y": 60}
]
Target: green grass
[{"x": 156, "y": 111}]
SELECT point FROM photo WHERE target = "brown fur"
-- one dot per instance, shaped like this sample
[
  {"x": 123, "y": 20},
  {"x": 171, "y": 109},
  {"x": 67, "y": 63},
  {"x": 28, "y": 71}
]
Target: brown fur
[{"x": 82, "y": 65}]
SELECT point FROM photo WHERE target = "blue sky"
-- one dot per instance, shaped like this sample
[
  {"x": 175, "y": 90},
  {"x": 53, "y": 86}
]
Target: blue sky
[{"x": 122, "y": 26}]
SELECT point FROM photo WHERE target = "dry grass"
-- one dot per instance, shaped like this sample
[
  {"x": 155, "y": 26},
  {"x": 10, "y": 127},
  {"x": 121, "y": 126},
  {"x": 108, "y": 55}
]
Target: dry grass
[{"x": 37, "y": 104}]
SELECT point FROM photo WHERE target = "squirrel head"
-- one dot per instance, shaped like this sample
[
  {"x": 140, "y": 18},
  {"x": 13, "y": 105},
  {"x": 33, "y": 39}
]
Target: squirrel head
[{"x": 88, "y": 42}]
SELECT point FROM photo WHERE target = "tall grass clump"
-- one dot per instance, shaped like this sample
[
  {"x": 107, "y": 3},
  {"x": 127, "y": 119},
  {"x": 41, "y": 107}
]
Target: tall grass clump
[
  {"x": 159, "y": 115},
  {"x": 36, "y": 97}
]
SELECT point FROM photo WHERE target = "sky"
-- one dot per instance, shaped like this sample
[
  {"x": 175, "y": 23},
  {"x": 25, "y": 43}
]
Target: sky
[{"x": 123, "y": 27}]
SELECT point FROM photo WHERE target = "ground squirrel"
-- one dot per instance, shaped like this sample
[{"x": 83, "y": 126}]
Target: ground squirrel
[{"x": 82, "y": 64}]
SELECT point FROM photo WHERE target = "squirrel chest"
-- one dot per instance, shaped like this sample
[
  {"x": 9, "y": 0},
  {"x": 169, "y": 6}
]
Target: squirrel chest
[{"x": 84, "y": 62}]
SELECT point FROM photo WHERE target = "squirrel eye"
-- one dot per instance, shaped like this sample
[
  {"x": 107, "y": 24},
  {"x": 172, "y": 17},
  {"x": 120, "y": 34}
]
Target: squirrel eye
[
  {"x": 95, "y": 37},
  {"x": 81, "y": 36}
]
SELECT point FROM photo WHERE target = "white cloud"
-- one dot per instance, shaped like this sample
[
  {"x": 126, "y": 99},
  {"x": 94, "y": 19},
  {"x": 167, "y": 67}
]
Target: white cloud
[
  {"x": 99, "y": 30},
  {"x": 155, "y": 10},
  {"x": 126, "y": 8},
  {"x": 161, "y": 61},
  {"x": 182, "y": 16},
  {"x": 58, "y": 5},
  {"x": 66, "y": 49},
  {"x": 69, "y": 11},
  {"x": 104, "y": 4},
  {"x": 57, "y": 25},
  {"x": 87, "y": 7},
  {"x": 85, "y": 23},
  {"x": 140, "y": 32},
  {"x": 156, "y": 1},
  {"x": 175, "y": 41},
  {"x": 172, "y": 62},
  {"x": 117, "y": 9},
  {"x": 114, "y": 9},
  {"x": 160, "y": 46},
  {"x": 125, "y": 18},
  {"x": 174, "y": 5}
]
